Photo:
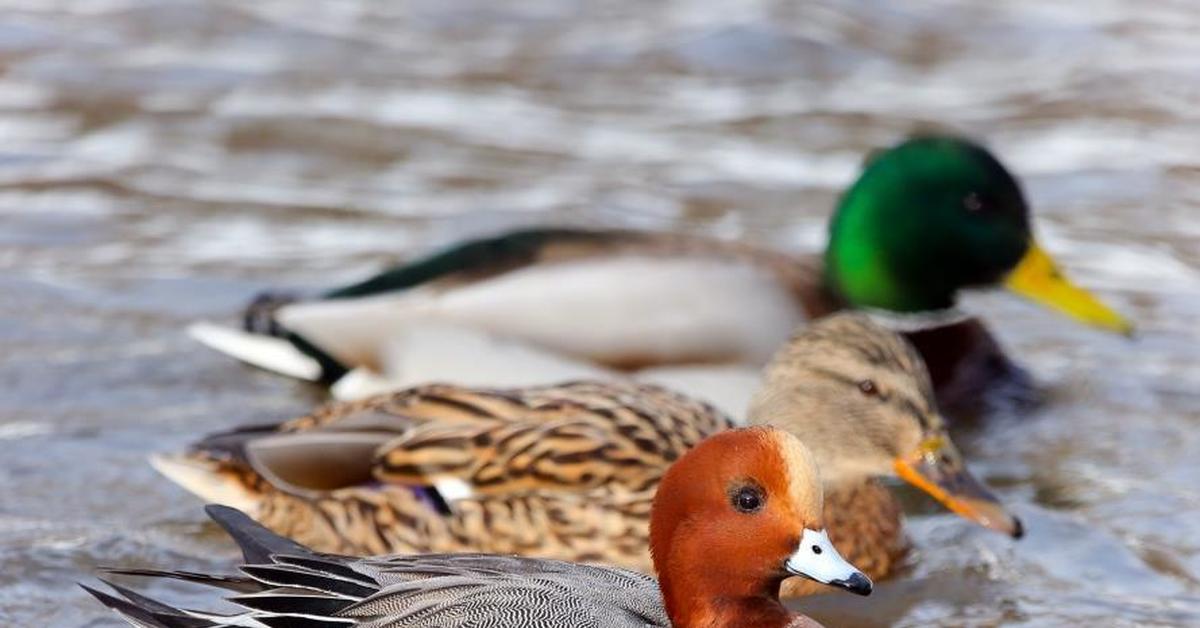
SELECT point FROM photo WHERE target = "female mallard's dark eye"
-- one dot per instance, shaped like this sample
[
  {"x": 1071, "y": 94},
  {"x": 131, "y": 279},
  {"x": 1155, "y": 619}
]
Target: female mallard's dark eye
[
  {"x": 868, "y": 388},
  {"x": 972, "y": 202},
  {"x": 748, "y": 499}
]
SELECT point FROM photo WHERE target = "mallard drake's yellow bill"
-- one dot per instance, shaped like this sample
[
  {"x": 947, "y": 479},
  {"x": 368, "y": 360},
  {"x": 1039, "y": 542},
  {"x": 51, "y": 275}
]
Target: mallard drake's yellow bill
[
  {"x": 1038, "y": 278},
  {"x": 937, "y": 469}
]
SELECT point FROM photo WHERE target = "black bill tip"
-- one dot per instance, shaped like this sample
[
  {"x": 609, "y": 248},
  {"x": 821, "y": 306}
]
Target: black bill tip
[{"x": 857, "y": 583}]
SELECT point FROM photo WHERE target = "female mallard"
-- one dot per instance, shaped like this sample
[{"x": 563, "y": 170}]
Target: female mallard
[
  {"x": 566, "y": 471},
  {"x": 747, "y": 501},
  {"x": 926, "y": 219}
]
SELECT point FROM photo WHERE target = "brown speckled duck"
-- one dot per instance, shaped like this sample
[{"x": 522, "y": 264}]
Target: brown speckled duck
[
  {"x": 925, "y": 220},
  {"x": 733, "y": 518},
  {"x": 567, "y": 471}
]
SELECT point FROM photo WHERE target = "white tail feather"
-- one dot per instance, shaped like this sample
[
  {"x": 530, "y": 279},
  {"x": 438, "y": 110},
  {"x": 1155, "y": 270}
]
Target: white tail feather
[{"x": 266, "y": 352}]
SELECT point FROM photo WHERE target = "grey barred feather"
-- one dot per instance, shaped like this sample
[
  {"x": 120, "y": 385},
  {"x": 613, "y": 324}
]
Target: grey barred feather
[{"x": 310, "y": 590}]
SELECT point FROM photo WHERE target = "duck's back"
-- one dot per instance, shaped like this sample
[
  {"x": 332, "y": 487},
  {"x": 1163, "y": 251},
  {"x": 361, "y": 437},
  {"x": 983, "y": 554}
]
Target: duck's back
[{"x": 485, "y": 590}]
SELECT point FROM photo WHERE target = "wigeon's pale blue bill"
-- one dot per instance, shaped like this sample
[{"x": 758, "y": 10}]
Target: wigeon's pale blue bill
[{"x": 817, "y": 559}]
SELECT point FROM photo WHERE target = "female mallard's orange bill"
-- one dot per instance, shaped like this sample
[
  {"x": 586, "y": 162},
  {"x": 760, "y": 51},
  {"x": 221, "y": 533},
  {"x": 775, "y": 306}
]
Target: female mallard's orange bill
[
  {"x": 1038, "y": 278},
  {"x": 937, "y": 469}
]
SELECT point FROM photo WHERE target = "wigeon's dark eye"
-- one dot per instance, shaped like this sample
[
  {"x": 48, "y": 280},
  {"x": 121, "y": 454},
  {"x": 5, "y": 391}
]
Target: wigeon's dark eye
[
  {"x": 748, "y": 499},
  {"x": 972, "y": 202},
  {"x": 868, "y": 388}
]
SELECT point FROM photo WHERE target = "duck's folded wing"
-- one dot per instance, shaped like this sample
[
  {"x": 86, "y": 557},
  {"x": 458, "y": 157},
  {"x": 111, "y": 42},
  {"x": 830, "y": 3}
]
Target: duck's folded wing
[
  {"x": 488, "y": 590},
  {"x": 345, "y": 325},
  {"x": 577, "y": 436},
  {"x": 457, "y": 404},
  {"x": 442, "y": 468}
]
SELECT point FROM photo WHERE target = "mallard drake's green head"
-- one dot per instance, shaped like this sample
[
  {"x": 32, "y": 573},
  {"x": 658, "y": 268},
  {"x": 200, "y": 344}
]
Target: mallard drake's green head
[{"x": 934, "y": 215}]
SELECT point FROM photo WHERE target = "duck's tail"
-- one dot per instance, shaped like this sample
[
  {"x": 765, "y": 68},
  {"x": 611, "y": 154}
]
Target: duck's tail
[
  {"x": 264, "y": 342},
  {"x": 284, "y": 582},
  {"x": 216, "y": 469},
  {"x": 300, "y": 337},
  {"x": 210, "y": 480},
  {"x": 145, "y": 612},
  {"x": 259, "y": 315},
  {"x": 271, "y": 353}
]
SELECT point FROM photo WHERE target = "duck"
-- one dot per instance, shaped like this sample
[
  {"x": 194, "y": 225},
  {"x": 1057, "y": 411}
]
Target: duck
[
  {"x": 926, "y": 219},
  {"x": 564, "y": 471},
  {"x": 747, "y": 500}
]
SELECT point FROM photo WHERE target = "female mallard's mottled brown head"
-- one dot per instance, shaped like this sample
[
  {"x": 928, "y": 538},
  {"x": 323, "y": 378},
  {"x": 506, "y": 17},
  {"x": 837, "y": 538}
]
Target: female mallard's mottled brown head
[{"x": 860, "y": 397}]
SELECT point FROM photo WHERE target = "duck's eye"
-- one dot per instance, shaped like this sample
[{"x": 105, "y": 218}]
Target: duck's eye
[
  {"x": 972, "y": 202},
  {"x": 748, "y": 499},
  {"x": 868, "y": 388}
]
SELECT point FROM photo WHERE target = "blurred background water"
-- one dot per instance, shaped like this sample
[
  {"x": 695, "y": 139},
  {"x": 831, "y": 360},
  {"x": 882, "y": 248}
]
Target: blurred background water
[{"x": 162, "y": 160}]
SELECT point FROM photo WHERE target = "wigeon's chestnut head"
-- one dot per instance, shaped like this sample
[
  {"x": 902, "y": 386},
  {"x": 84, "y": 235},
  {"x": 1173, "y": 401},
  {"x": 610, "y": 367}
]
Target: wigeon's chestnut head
[{"x": 732, "y": 519}]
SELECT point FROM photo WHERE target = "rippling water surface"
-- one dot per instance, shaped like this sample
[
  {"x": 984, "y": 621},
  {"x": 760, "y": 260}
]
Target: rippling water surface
[{"x": 162, "y": 160}]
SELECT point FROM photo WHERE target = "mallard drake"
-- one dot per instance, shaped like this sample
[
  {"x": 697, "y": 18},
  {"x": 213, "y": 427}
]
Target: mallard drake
[
  {"x": 566, "y": 471},
  {"x": 748, "y": 501},
  {"x": 925, "y": 219}
]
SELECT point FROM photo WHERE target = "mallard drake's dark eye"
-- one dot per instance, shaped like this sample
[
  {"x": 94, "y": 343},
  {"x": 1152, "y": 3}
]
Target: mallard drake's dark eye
[
  {"x": 748, "y": 499},
  {"x": 868, "y": 388},
  {"x": 972, "y": 202}
]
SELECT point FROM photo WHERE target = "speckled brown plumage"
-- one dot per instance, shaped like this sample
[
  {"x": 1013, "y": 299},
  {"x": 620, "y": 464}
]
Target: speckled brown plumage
[
  {"x": 614, "y": 436},
  {"x": 564, "y": 472}
]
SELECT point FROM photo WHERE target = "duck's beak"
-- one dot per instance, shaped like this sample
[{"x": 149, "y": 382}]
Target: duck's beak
[
  {"x": 1038, "y": 278},
  {"x": 817, "y": 560},
  {"x": 938, "y": 469}
]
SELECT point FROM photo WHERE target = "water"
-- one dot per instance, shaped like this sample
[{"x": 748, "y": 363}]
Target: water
[{"x": 163, "y": 160}]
